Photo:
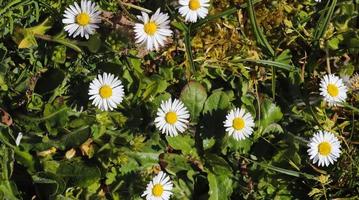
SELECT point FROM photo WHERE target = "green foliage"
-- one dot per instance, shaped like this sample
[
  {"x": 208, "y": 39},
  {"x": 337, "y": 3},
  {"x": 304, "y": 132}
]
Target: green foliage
[{"x": 266, "y": 57}]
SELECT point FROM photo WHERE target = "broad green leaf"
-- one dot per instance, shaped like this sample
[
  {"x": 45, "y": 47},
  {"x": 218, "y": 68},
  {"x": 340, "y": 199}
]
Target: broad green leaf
[
  {"x": 217, "y": 165},
  {"x": 75, "y": 138},
  {"x": 194, "y": 96},
  {"x": 48, "y": 184},
  {"x": 184, "y": 143},
  {"x": 79, "y": 173},
  {"x": 175, "y": 163},
  {"x": 25, "y": 37},
  {"x": 219, "y": 100},
  {"x": 270, "y": 113},
  {"x": 220, "y": 186}
]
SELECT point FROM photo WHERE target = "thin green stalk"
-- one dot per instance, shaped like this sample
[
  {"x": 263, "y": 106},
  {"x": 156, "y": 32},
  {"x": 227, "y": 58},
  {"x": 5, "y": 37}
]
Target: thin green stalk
[
  {"x": 269, "y": 63},
  {"x": 124, "y": 9},
  {"x": 136, "y": 7},
  {"x": 282, "y": 170},
  {"x": 354, "y": 109},
  {"x": 324, "y": 20},
  {"x": 187, "y": 41},
  {"x": 60, "y": 41},
  {"x": 38, "y": 119}
]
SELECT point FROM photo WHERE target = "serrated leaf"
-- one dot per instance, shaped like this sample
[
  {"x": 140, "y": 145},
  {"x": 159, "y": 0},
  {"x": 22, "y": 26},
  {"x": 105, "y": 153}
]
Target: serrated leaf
[
  {"x": 219, "y": 100},
  {"x": 270, "y": 113}
]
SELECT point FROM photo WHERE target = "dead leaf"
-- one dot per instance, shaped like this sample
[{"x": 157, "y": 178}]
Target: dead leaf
[{"x": 5, "y": 117}]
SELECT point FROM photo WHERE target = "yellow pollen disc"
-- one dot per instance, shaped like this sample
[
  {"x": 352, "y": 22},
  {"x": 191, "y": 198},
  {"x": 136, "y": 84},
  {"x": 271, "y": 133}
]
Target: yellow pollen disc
[
  {"x": 333, "y": 90},
  {"x": 150, "y": 28},
  {"x": 105, "y": 91},
  {"x": 324, "y": 148},
  {"x": 238, "y": 123},
  {"x": 194, "y": 4},
  {"x": 83, "y": 19},
  {"x": 157, "y": 190},
  {"x": 171, "y": 117}
]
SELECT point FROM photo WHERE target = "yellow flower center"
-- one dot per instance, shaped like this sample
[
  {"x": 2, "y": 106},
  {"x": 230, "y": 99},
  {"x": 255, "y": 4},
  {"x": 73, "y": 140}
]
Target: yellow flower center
[
  {"x": 238, "y": 123},
  {"x": 83, "y": 19},
  {"x": 157, "y": 190},
  {"x": 324, "y": 148},
  {"x": 150, "y": 28},
  {"x": 333, "y": 90},
  {"x": 194, "y": 4},
  {"x": 171, "y": 117},
  {"x": 105, "y": 91}
]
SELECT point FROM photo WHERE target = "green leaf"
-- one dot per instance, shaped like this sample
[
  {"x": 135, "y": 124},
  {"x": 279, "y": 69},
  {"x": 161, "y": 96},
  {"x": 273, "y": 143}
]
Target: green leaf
[
  {"x": 220, "y": 187},
  {"x": 75, "y": 138},
  {"x": 175, "y": 163},
  {"x": 219, "y": 100},
  {"x": 270, "y": 113},
  {"x": 48, "y": 185},
  {"x": 93, "y": 44},
  {"x": 217, "y": 165},
  {"x": 25, "y": 37},
  {"x": 78, "y": 173},
  {"x": 184, "y": 143},
  {"x": 194, "y": 96}
]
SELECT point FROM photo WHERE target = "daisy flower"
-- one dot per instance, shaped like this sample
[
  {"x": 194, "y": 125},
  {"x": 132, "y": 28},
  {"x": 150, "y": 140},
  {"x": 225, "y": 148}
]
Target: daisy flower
[
  {"x": 159, "y": 188},
  {"x": 324, "y": 148},
  {"x": 154, "y": 30},
  {"x": 333, "y": 89},
  {"x": 192, "y": 10},
  {"x": 172, "y": 117},
  {"x": 81, "y": 20},
  {"x": 239, "y": 123},
  {"x": 106, "y": 92}
]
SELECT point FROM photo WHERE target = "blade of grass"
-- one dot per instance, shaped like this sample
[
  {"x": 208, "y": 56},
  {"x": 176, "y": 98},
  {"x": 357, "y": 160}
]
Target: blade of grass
[
  {"x": 269, "y": 63},
  {"x": 60, "y": 41},
  {"x": 260, "y": 37},
  {"x": 354, "y": 109},
  {"x": 324, "y": 20},
  {"x": 187, "y": 41},
  {"x": 282, "y": 170}
]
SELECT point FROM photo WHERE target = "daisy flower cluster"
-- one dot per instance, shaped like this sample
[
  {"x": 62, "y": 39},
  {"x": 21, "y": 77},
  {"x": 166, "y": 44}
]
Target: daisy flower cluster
[
  {"x": 153, "y": 31},
  {"x": 324, "y": 147}
]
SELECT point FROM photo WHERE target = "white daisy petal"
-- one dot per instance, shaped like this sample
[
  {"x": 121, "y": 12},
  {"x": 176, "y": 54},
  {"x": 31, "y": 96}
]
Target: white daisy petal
[
  {"x": 324, "y": 148},
  {"x": 333, "y": 90},
  {"x": 239, "y": 124},
  {"x": 81, "y": 20},
  {"x": 153, "y": 31},
  {"x": 172, "y": 117},
  {"x": 106, "y": 92},
  {"x": 192, "y": 10},
  {"x": 159, "y": 188}
]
